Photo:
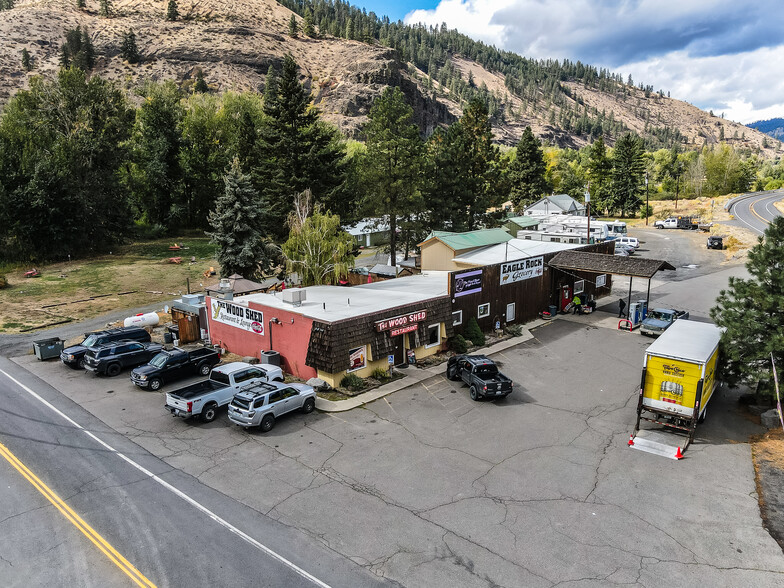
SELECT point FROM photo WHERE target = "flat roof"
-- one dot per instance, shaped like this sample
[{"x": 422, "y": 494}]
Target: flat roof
[
  {"x": 512, "y": 250},
  {"x": 688, "y": 340},
  {"x": 334, "y": 303}
]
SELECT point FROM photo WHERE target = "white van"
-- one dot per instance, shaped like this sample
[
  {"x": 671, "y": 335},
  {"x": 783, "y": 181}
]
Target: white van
[{"x": 631, "y": 241}]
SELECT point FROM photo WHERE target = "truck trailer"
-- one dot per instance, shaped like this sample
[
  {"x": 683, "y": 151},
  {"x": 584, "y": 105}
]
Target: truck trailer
[{"x": 678, "y": 381}]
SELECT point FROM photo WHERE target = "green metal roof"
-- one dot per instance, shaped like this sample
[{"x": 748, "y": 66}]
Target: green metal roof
[
  {"x": 471, "y": 239},
  {"x": 524, "y": 221}
]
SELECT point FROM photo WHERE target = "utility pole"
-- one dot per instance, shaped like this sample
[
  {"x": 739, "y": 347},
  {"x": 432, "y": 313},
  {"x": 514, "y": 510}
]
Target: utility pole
[
  {"x": 588, "y": 209},
  {"x": 677, "y": 182},
  {"x": 647, "y": 209}
]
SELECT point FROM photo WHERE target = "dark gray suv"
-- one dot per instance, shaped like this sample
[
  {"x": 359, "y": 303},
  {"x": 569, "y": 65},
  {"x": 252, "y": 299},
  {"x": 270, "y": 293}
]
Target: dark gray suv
[{"x": 73, "y": 356}]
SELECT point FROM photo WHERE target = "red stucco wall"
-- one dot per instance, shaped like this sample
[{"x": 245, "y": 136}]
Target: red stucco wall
[{"x": 290, "y": 339}]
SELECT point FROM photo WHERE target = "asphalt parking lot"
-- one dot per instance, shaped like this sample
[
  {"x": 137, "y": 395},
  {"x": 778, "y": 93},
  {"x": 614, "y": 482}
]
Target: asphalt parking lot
[{"x": 427, "y": 488}]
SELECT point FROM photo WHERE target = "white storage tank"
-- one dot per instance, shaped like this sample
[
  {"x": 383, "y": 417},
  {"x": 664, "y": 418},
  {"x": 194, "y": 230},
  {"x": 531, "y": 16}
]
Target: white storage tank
[{"x": 148, "y": 319}]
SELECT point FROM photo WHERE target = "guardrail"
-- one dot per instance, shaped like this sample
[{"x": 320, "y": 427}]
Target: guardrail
[{"x": 733, "y": 201}]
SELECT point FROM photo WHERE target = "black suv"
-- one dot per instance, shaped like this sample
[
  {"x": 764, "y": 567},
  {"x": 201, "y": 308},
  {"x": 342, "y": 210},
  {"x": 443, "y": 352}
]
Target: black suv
[
  {"x": 110, "y": 359},
  {"x": 73, "y": 357}
]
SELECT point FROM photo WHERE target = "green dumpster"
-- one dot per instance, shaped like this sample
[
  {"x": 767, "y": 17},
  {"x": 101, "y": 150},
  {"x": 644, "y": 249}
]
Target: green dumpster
[{"x": 48, "y": 348}]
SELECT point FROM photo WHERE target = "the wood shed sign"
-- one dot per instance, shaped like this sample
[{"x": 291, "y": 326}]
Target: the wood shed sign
[
  {"x": 238, "y": 316},
  {"x": 401, "y": 322}
]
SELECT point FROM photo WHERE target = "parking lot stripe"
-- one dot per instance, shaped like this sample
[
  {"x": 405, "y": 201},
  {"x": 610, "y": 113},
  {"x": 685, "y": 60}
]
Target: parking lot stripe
[
  {"x": 225, "y": 524},
  {"x": 114, "y": 556}
]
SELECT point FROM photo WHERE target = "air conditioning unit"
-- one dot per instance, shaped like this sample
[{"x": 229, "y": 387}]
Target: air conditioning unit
[{"x": 295, "y": 296}]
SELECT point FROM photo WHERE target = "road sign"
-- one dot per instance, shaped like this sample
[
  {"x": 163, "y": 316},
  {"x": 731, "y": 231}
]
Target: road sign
[{"x": 391, "y": 359}]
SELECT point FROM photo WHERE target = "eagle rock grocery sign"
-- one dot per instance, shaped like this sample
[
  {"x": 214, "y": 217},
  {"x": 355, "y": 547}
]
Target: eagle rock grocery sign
[{"x": 238, "y": 316}]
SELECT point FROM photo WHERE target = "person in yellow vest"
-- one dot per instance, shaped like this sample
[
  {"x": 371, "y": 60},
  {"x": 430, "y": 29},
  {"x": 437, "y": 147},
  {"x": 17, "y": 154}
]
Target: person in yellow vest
[{"x": 578, "y": 304}]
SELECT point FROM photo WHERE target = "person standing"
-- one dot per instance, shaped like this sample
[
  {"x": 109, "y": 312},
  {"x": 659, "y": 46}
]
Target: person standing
[
  {"x": 577, "y": 304},
  {"x": 621, "y": 308}
]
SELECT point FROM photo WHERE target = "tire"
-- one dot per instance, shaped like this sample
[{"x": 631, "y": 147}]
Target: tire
[
  {"x": 474, "y": 393},
  {"x": 659, "y": 227},
  {"x": 204, "y": 369},
  {"x": 209, "y": 412},
  {"x": 703, "y": 416},
  {"x": 113, "y": 369},
  {"x": 80, "y": 364},
  {"x": 155, "y": 384},
  {"x": 309, "y": 405},
  {"x": 267, "y": 423}
]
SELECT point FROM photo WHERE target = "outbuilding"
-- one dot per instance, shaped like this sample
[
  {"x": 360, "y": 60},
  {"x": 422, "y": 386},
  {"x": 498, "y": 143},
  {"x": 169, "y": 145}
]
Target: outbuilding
[{"x": 330, "y": 331}]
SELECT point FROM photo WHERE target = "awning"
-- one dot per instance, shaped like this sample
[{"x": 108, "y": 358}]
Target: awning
[{"x": 601, "y": 263}]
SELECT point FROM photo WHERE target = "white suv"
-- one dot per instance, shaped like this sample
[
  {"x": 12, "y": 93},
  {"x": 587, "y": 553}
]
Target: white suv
[
  {"x": 258, "y": 405},
  {"x": 631, "y": 241}
]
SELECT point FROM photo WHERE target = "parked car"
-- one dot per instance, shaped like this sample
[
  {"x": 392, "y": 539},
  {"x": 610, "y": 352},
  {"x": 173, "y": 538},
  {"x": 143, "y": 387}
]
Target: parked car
[
  {"x": 481, "y": 375},
  {"x": 260, "y": 405},
  {"x": 621, "y": 250},
  {"x": 715, "y": 242},
  {"x": 73, "y": 356},
  {"x": 204, "y": 398},
  {"x": 112, "y": 358},
  {"x": 629, "y": 242},
  {"x": 660, "y": 319},
  {"x": 677, "y": 222},
  {"x": 175, "y": 364}
]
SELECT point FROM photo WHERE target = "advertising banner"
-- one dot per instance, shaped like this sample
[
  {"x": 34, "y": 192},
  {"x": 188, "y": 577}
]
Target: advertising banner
[
  {"x": 238, "y": 316},
  {"x": 468, "y": 283},
  {"x": 357, "y": 358},
  {"x": 517, "y": 271}
]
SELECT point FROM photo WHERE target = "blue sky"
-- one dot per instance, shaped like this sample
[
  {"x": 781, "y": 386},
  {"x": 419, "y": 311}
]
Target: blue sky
[{"x": 721, "y": 55}]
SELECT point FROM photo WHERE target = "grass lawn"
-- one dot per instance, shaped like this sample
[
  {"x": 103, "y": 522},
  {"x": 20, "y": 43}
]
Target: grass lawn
[{"x": 134, "y": 275}]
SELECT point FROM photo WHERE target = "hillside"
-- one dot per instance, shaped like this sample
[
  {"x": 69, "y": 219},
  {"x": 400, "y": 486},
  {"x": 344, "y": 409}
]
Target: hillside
[
  {"x": 773, "y": 127},
  {"x": 235, "y": 42}
]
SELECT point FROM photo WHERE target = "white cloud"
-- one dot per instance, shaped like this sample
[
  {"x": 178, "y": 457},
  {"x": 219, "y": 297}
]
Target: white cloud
[{"x": 717, "y": 54}]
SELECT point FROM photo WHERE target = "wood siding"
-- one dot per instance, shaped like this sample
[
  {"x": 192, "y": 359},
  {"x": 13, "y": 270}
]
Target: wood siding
[{"x": 188, "y": 325}]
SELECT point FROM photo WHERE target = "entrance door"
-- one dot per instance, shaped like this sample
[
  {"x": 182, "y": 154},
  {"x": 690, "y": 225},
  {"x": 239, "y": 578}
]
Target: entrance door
[
  {"x": 400, "y": 354},
  {"x": 510, "y": 312},
  {"x": 566, "y": 297}
]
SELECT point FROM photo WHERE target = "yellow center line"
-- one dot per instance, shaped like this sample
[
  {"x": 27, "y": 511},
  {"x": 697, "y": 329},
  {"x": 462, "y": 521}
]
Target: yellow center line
[
  {"x": 755, "y": 213},
  {"x": 114, "y": 556}
]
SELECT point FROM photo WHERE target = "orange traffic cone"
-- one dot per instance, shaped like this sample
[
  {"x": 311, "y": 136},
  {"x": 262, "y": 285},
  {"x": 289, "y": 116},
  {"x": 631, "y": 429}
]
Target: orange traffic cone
[
  {"x": 631, "y": 440},
  {"x": 678, "y": 454}
]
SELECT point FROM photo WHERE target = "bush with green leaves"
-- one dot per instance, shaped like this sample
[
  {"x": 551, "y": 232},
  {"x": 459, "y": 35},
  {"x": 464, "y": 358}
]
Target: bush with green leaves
[
  {"x": 473, "y": 333},
  {"x": 458, "y": 344},
  {"x": 3, "y": 281},
  {"x": 380, "y": 374},
  {"x": 352, "y": 382}
]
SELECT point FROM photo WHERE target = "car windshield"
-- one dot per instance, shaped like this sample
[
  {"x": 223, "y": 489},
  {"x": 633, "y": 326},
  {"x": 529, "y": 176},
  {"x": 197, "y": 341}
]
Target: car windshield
[
  {"x": 159, "y": 360},
  {"x": 661, "y": 315},
  {"x": 486, "y": 370},
  {"x": 90, "y": 341}
]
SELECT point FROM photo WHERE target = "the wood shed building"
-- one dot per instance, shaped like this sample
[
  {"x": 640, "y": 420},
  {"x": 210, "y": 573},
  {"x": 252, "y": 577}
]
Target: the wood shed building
[{"x": 330, "y": 331}]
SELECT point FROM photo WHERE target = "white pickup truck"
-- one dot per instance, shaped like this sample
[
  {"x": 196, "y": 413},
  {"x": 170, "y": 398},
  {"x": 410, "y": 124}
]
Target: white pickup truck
[{"x": 204, "y": 398}]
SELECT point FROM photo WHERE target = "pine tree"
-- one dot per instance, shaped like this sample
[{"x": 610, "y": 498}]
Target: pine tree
[
  {"x": 307, "y": 25},
  {"x": 172, "y": 13},
  {"x": 81, "y": 4},
  {"x": 236, "y": 227},
  {"x": 65, "y": 58},
  {"x": 105, "y": 9},
  {"x": 350, "y": 28},
  {"x": 26, "y": 61},
  {"x": 627, "y": 174},
  {"x": 527, "y": 171},
  {"x": 750, "y": 311},
  {"x": 200, "y": 86},
  {"x": 293, "y": 27},
  {"x": 129, "y": 50},
  {"x": 270, "y": 86},
  {"x": 599, "y": 175}
]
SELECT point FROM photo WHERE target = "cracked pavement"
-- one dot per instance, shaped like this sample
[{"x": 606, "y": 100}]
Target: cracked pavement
[{"x": 427, "y": 488}]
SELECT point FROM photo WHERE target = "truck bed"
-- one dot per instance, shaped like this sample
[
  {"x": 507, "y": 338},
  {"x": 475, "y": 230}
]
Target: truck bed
[{"x": 197, "y": 389}]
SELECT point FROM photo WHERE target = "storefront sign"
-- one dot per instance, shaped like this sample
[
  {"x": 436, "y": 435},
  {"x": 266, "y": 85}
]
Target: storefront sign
[
  {"x": 517, "y": 271},
  {"x": 238, "y": 316},
  {"x": 357, "y": 358},
  {"x": 401, "y": 321},
  {"x": 468, "y": 283},
  {"x": 601, "y": 280},
  {"x": 401, "y": 330}
]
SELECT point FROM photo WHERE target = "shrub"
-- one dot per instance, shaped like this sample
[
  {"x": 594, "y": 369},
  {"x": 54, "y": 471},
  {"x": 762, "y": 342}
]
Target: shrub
[
  {"x": 3, "y": 281},
  {"x": 473, "y": 333},
  {"x": 352, "y": 382},
  {"x": 380, "y": 374},
  {"x": 457, "y": 344}
]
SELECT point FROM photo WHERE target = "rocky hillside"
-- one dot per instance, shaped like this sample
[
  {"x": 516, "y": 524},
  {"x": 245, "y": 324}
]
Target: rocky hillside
[{"x": 234, "y": 42}]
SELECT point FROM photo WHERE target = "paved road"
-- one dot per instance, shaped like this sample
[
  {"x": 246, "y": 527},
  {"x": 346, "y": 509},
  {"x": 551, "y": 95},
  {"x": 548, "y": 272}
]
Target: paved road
[
  {"x": 757, "y": 211},
  {"x": 128, "y": 509}
]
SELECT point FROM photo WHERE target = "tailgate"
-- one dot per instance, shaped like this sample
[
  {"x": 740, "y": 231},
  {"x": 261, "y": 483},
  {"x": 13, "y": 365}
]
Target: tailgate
[
  {"x": 671, "y": 385},
  {"x": 176, "y": 402}
]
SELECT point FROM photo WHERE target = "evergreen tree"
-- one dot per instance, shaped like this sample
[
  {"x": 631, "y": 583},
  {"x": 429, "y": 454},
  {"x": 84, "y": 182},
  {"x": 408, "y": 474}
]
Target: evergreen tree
[
  {"x": 172, "y": 13},
  {"x": 391, "y": 168},
  {"x": 527, "y": 171},
  {"x": 297, "y": 151},
  {"x": 270, "y": 86},
  {"x": 84, "y": 57},
  {"x": 81, "y": 4},
  {"x": 627, "y": 174},
  {"x": 599, "y": 174},
  {"x": 293, "y": 27},
  {"x": 236, "y": 227},
  {"x": 307, "y": 25},
  {"x": 200, "y": 86},
  {"x": 26, "y": 61},
  {"x": 65, "y": 59},
  {"x": 129, "y": 50},
  {"x": 105, "y": 9},
  {"x": 750, "y": 312},
  {"x": 7, "y": 4},
  {"x": 349, "y": 34}
]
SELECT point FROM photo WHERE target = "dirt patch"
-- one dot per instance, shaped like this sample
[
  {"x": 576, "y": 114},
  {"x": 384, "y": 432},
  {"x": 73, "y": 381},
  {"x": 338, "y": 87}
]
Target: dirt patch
[{"x": 768, "y": 454}]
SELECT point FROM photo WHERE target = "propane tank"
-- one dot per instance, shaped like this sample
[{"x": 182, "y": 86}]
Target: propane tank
[{"x": 148, "y": 319}]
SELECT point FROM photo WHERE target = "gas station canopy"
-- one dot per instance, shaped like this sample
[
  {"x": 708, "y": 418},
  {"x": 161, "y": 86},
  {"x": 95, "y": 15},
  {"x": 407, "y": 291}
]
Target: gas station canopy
[{"x": 602, "y": 263}]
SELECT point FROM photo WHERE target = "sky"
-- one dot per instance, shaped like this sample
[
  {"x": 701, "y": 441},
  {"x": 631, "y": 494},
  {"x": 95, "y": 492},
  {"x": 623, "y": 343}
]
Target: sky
[{"x": 720, "y": 55}]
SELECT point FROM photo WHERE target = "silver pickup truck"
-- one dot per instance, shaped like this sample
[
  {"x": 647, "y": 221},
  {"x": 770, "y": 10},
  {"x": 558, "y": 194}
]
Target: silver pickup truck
[{"x": 204, "y": 398}]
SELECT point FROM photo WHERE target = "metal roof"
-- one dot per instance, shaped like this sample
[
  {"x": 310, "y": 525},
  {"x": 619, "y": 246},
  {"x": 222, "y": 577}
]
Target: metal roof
[
  {"x": 512, "y": 250},
  {"x": 469, "y": 240},
  {"x": 688, "y": 340},
  {"x": 524, "y": 221},
  {"x": 638, "y": 267}
]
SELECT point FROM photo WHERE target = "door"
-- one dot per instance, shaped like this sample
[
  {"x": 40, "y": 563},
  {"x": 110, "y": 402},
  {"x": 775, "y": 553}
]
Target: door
[
  {"x": 400, "y": 355},
  {"x": 510, "y": 312},
  {"x": 566, "y": 297}
]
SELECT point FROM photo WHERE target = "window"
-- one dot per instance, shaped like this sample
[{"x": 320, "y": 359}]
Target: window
[
  {"x": 433, "y": 336},
  {"x": 241, "y": 376},
  {"x": 259, "y": 402},
  {"x": 289, "y": 392},
  {"x": 483, "y": 310},
  {"x": 275, "y": 396},
  {"x": 457, "y": 317},
  {"x": 601, "y": 280},
  {"x": 579, "y": 286}
]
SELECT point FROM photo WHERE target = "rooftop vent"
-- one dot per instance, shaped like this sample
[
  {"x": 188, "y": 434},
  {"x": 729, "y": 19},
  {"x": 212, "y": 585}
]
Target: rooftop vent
[{"x": 295, "y": 296}]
